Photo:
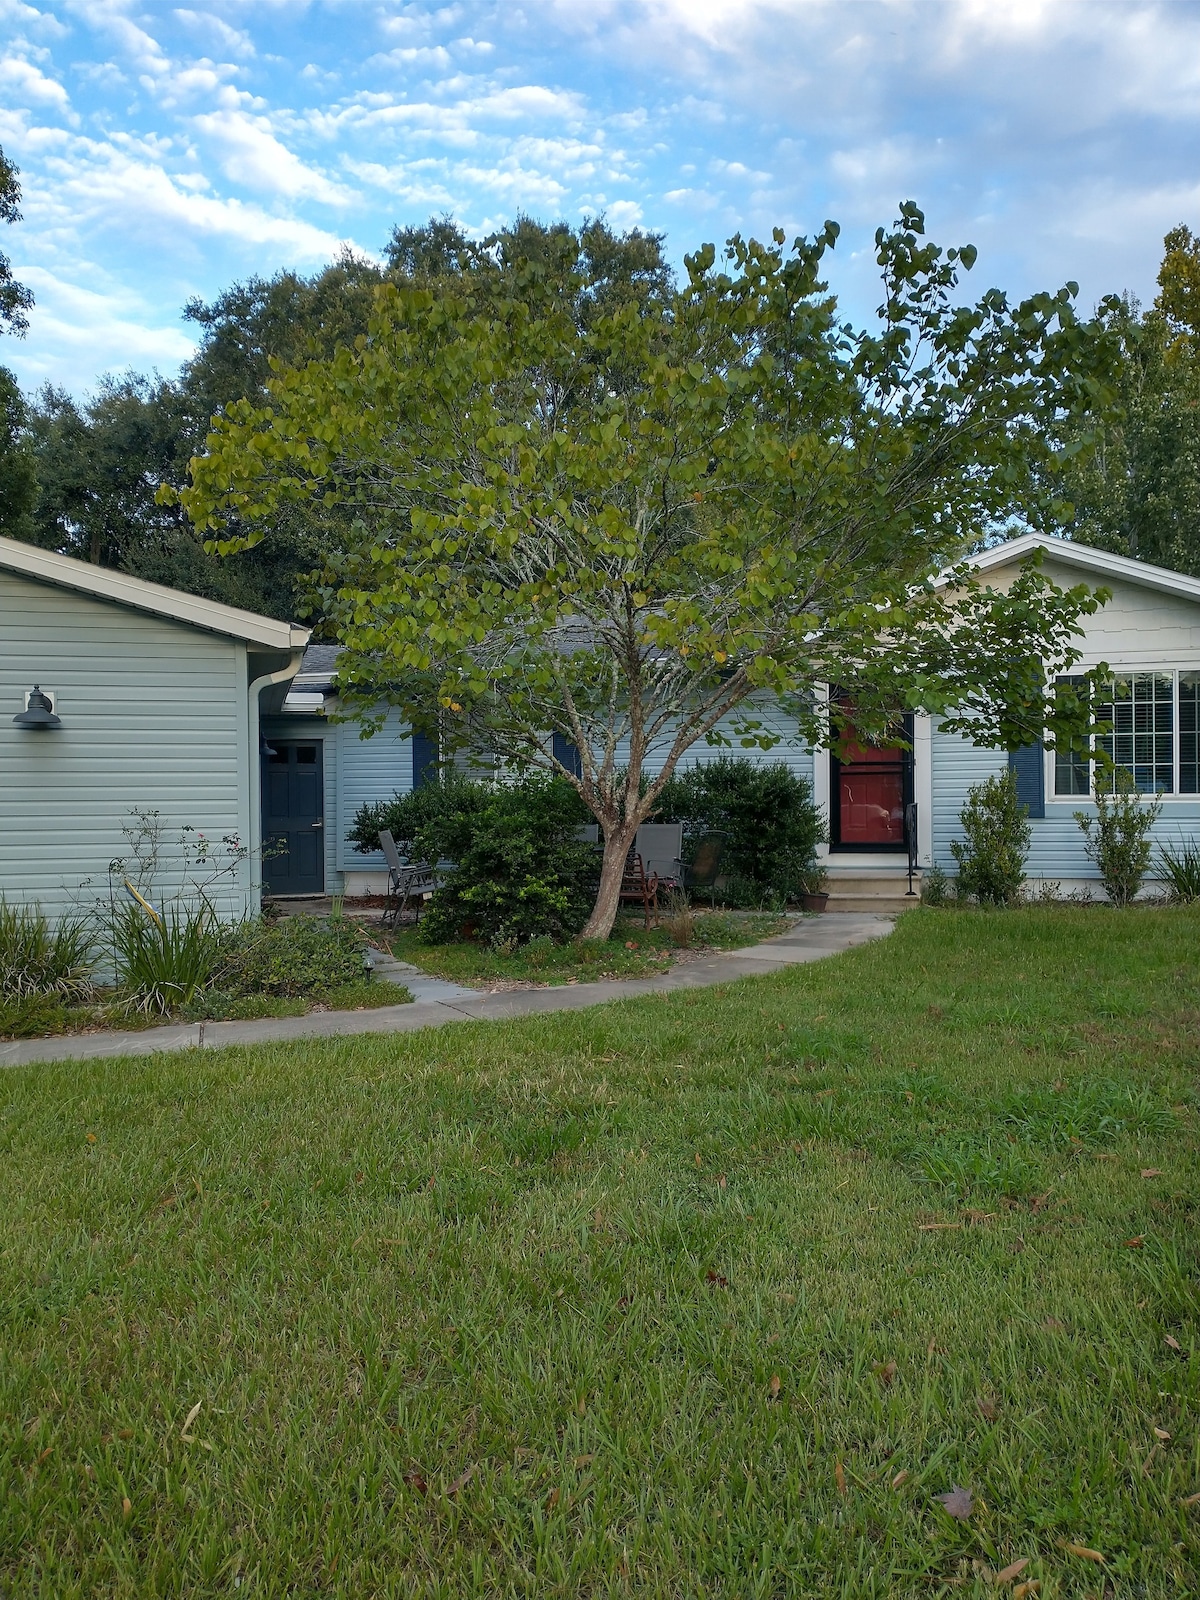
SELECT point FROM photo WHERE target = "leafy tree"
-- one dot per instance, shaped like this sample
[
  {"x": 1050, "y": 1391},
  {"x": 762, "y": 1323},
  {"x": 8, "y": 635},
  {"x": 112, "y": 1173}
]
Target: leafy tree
[
  {"x": 633, "y": 529},
  {"x": 1138, "y": 491},
  {"x": 18, "y": 479},
  {"x": 15, "y": 298}
]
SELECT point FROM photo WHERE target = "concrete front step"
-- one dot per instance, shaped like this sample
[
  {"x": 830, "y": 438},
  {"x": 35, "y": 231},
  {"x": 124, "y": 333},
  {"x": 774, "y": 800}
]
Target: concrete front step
[
  {"x": 861, "y": 890},
  {"x": 885, "y": 905}
]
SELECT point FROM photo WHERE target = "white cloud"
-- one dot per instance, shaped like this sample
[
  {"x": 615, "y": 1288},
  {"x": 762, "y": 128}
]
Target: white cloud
[
  {"x": 253, "y": 157},
  {"x": 85, "y": 330},
  {"x": 235, "y": 41},
  {"x": 22, "y": 82}
]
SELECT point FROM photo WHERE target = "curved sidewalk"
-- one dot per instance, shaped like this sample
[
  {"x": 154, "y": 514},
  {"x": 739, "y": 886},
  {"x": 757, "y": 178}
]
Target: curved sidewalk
[{"x": 437, "y": 1003}]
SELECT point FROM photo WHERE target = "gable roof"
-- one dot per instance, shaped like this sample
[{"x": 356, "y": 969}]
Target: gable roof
[
  {"x": 47, "y": 566},
  {"x": 1098, "y": 564}
]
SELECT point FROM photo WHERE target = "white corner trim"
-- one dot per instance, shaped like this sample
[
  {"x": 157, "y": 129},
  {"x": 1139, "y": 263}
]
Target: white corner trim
[
  {"x": 47, "y": 566},
  {"x": 923, "y": 785}
]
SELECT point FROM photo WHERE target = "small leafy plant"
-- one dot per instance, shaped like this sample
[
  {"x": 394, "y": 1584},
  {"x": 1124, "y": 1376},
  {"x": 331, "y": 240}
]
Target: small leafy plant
[
  {"x": 991, "y": 855},
  {"x": 937, "y": 887},
  {"x": 290, "y": 957},
  {"x": 1117, "y": 838}
]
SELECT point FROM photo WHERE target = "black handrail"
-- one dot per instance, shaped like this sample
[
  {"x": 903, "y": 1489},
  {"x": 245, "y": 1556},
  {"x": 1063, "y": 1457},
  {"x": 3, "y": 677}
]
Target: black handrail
[{"x": 910, "y": 839}]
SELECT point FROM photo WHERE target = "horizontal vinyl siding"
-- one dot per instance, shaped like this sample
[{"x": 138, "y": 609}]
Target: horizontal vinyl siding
[
  {"x": 793, "y": 753},
  {"x": 153, "y": 718},
  {"x": 1056, "y": 845},
  {"x": 369, "y": 770}
]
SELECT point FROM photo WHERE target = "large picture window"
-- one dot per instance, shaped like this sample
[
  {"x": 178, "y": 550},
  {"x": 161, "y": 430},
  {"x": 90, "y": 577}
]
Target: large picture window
[{"x": 1154, "y": 722}]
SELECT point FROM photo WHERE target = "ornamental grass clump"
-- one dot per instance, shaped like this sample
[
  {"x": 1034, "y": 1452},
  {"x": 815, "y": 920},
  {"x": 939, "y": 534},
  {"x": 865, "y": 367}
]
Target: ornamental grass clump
[
  {"x": 163, "y": 962},
  {"x": 37, "y": 959},
  {"x": 1117, "y": 838},
  {"x": 996, "y": 836},
  {"x": 1180, "y": 869}
]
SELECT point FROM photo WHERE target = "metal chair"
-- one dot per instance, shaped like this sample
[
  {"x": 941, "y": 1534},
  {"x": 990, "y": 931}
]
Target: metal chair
[
  {"x": 407, "y": 881},
  {"x": 704, "y": 869}
]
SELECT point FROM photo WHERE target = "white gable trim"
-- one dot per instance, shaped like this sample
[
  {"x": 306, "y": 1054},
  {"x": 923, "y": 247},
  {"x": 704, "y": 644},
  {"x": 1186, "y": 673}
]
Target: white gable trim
[
  {"x": 1099, "y": 564},
  {"x": 123, "y": 590}
]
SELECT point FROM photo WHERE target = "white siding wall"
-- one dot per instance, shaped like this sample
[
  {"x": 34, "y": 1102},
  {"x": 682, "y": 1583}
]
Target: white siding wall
[{"x": 154, "y": 717}]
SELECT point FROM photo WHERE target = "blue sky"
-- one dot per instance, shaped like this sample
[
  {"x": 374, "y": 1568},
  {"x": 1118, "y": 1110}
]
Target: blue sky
[{"x": 166, "y": 151}]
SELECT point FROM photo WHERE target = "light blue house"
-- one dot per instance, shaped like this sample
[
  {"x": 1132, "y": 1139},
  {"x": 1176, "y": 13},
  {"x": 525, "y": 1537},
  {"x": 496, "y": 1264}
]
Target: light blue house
[
  {"x": 225, "y": 723},
  {"x": 155, "y": 703},
  {"x": 1148, "y": 633}
]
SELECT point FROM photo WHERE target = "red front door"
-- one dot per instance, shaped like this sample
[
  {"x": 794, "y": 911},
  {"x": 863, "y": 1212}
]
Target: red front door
[{"x": 870, "y": 796}]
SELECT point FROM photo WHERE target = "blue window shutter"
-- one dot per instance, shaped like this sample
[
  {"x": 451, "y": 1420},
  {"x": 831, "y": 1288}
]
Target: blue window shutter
[
  {"x": 1030, "y": 768},
  {"x": 567, "y": 754},
  {"x": 425, "y": 760}
]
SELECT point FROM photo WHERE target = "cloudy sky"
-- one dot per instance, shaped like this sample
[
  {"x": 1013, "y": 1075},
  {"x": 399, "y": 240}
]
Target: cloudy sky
[{"x": 167, "y": 151}]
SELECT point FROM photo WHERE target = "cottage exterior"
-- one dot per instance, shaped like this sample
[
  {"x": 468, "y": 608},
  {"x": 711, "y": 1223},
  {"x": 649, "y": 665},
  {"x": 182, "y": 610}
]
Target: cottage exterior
[
  {"x": 1148, "y": 633},
  {"x": 159, "y": 696}
]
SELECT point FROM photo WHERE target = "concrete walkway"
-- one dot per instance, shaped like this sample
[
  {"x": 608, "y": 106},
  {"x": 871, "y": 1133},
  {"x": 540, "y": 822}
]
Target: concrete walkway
[{"x": 436, "y": 1002}]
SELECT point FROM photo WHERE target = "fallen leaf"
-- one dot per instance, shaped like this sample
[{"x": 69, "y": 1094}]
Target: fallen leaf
[
  {"x": 981, "y": 1216},
  {"x": 774, "y": 1386},
  {"x": 1017, "y": 1245},
  {"x": 1151, "y": 1172},
  {"x": 721, "y": 1184},
  {"x": 584, "y": 1461},
  {"x": 699, "y": 1163},
  {"x": 124, "y": 1433},
  {"x": 1135, "y": 1243},
  {"x": 1193, "y": 1499},
  {"x": 885, "y": 1371},
  {"x": 190, "y": 1418},
  {"x": 931, "y": 1347},
  {"x": 839, "y": 1477},
  {"x": 48, "y": 1451},
  {"x": 127, "y": 1508},
  {"x": 624, "y": 1302},
  {"x": 1039, "y": 1200},
  {"x": 987, "y": 1408},
  {"x": 1173, "y": 1344},
  {"x": 463, "y": 1479},
  {"x": 581, "y": 1408},
  {"x": 1023, "y": 1590},
  {"x": 1013, "y": 1570},
  {"x": 716, "y": 1279},
  {"x": 552, "y": 1499},
  {"x": 901, "y": 1477},
  {"x": 1084, "y": 1554},
  {"x": 91, "y": 1138},
  {"x": 936, "y": 1227},
  {"x": 1161, "y": 1433},
  {"x": 416, "y": 1480},
  {"x": 959, "y": 1503}
]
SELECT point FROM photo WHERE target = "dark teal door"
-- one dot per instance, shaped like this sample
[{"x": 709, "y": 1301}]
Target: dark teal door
[{"x": 293, "y": 801}]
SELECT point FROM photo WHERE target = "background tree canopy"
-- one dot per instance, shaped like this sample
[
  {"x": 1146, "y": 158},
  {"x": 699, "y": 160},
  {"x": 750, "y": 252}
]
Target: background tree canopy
[
  {"x": 1138, "y": 492},
  {"x": 580, "y": 501}
]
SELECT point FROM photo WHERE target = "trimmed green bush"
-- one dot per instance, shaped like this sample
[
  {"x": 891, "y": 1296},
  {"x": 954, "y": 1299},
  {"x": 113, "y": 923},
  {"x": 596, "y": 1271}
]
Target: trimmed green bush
[
  {"x": 991, "y": 855},
  {"x": 405, "y": 816},
  {"x": 1117, "y": 838},
  {"x": 521, "y": 873},
  {"x": 767, "y": 813}
]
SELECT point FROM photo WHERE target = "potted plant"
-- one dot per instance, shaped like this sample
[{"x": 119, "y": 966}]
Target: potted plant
[{"x": 813, "y": 894}]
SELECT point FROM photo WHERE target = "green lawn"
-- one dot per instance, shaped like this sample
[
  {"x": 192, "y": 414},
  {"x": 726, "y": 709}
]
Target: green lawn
[
  {"x": 633, "y": 951},
  {"x": 704, "y": 1294}
]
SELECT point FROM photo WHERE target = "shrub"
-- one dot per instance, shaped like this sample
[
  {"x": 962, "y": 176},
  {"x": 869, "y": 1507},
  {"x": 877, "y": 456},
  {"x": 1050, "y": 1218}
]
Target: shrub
[
  {"x": 407, "y": 815},
  {"x": 937, "y": 887},
  {"x": 991, "y": 856},
  {"x": 290, "y": 957},
  {"x": 162, "y": 965},
  {"x": 1181, "y": 869},
  {"x": 1117, "y": 838},
  {"x": 766, "y": 811},
  {"x": 36, "y": 959},
  {"x": 521, "y": 873}
]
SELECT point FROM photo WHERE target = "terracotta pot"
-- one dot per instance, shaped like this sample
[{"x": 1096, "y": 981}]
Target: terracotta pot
[{"x": 814, "y": 902}]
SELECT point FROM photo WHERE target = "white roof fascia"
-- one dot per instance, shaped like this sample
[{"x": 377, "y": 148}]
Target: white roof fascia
[
  {"x": 1100, "y": 563},
  {"x": 124, "y": 590}
]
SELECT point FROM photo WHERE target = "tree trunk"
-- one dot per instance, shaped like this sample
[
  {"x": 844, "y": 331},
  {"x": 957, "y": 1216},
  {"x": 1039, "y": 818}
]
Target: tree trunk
[{"x": 616, "y": 847}]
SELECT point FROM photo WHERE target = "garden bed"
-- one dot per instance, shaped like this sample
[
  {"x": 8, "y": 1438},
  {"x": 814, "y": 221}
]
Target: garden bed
[{"x": 633, "y": 951}]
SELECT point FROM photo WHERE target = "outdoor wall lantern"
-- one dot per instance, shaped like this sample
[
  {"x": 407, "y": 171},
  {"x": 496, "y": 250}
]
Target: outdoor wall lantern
[{"x": 38, "y": 712}]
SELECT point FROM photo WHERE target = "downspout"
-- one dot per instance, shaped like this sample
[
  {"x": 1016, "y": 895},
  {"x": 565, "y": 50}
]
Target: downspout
[{"x": 281, "y": 675}]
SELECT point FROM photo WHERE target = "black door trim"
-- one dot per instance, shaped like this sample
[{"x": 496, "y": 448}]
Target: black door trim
[{"x": 835, "y": 809}]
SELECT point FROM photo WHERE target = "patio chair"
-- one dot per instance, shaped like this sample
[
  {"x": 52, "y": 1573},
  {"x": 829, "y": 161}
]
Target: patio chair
[
  {"x": 637, "y": 888},
  {"x": 703, "y": 871},
  {"x": 407, "y": 881}
]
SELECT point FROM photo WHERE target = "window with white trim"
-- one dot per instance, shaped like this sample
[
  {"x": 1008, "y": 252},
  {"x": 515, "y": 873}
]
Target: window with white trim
[{"x": 1154, "y": 719}]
